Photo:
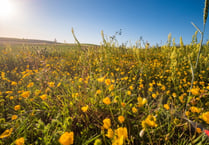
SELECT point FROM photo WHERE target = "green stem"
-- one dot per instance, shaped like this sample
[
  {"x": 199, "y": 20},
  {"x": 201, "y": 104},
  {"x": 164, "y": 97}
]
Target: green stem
[{"x": 194, "y": 70}]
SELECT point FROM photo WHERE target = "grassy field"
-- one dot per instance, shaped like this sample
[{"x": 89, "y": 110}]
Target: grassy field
[{"x": 61, "y": 94}]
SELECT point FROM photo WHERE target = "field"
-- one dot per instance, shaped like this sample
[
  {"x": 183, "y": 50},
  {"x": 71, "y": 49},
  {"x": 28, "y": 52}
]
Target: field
[{"x": 56, "y": 93}]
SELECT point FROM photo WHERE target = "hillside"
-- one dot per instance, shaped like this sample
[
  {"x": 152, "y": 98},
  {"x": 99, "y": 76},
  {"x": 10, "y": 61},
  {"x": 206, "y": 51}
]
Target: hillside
[{"x": 4, "y": 40}]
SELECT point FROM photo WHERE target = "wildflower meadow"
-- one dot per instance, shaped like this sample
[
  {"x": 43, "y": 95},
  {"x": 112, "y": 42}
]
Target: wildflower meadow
[{"x": 107, "y": 94}]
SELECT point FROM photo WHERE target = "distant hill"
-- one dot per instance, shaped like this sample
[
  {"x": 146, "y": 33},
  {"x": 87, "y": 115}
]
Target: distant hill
[{"x": 12, "y": 41}]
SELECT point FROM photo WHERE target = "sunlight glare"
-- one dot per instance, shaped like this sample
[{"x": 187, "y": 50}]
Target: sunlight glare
[{"x": 6, "y": 9}]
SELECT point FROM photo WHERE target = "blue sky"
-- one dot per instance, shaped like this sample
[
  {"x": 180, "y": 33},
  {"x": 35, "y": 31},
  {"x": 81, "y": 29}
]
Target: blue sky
[{"x": 151, "y": 19}]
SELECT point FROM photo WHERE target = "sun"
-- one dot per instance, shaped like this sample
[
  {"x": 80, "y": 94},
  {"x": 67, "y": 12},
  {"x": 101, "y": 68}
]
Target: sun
[{"x": 6, "y": 9}]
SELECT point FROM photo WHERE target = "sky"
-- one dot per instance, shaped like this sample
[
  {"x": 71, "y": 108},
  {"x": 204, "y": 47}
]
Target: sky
[{"x": 152, "y": 20}]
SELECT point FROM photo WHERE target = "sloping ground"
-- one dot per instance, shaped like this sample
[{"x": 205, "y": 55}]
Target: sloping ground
[
  {"x": 32, "y": 42},
  {"x": 11, "y": 41}
]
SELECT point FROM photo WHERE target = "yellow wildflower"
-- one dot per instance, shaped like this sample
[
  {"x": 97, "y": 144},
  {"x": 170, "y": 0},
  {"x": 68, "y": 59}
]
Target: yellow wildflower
[
  {"x": 195, "y": 91},
  {"x": 141, "y": 101},
  {"x": 118, "y": 141},
  {"x": 174, "y": 95},
  {"x": 149, "y": 122},
  {"x": 37, "y": 92},
  {"x": 20, "y": 141},
  {"x": 154, "y": 96},
  {"x": 121, "y": 119},
  {"x": 109, "y": 133},
  {"x": 111, "y": 87},
  {"x": 66, "y": 138},
  {"x": 131, "y": 87},
  {"x": 9, "y": 92},
  {"x": 134, "y": 110},
  {"x": 107, "y": 82},
  {"x": 6, "y": 133},
  {"x": 150, "y": 89},
  {"x": 205, "y": 117},
  {"x": 122, "y": 132},
  {"x": 98, "y": 92},
  {"x": 106, "y": 101},
  {"x": 195, "y": 109},
  {"x": 163, "y": 88},
  {"x": 128, "y": 92},
  {"x": 25, "y": 94},
  {"x": 187, "y": 113},
  {"x": 30, "y": 85},
  {"x": 123, "y": 104},
  {"x": 101, "y": 79},
  {"x": 85, "y": 108},
  {"x": 43, "y": 97},
  {"x": 17, "y": 107},
  {"x": 198, "y": 130},
  {"x": 13, "y": 83},
  {"x": 166, "y": 106},
  {"x": 51, "y": 84},
  {"x": 107, "y": 123},
  {"x": 14, "y": 117}
]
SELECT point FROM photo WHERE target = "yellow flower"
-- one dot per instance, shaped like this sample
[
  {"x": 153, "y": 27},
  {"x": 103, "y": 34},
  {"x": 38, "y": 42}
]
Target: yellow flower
[
  {"x": 141, "y": 101},
  {"x": 107, "y": 123},
  {"x": 30, "y": 85},
  {"x": 17, "y": 107},
  {"x": 107, "y": 82},
  {"x": 195, "y": 91},
  {"x": 98, "y": 142},
  {"x": 150, "y": 89},
  {"x": 111, "y": 87},
  {"x": 195, "y": 109},
  {"x": 149, "y": 122},
  {"x": 85, "y": 108},
  {"x": 98, "y": 92},
  {"x": 187, "y": 113},
  {"x": 66, "y": 138},
  {"x": 154, "y": 96},
  {"x": 121, "y": 119},
  {"x": 14, "y": 117},
  {"x": 131, "y": 87},
  {"x": 106, "y": 101},
  {"x": 128, "y": 92},
  {"x": 118, "y": 141},
  {"x": 163, "y": 88},
  {"x": 181, "y": 98},
  {"x": 25, "y": 94},
  {"x": 122, "y": 132},
  {"x": 123, "y": 104},
  {"x": 9, "y": 92},
  {"x": 20, "y": 141},
  {"x": 13, "y": 83},
  {"x": 6, "y": 133},
  {"x": 134, "y": 110},
  {"x": 166, "y": 106},
  {"x": 174, "y": 95},
  {"x": 51, "y": 84},
  {"x": 37, "y": 92},
  {"x": 198, "y": 130},
  {"x": 205, "y": 117},
  {"x": 109, "y": 133},
  {"x": 43, "y": 97},
  {"x": 101, "y": 79}
]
